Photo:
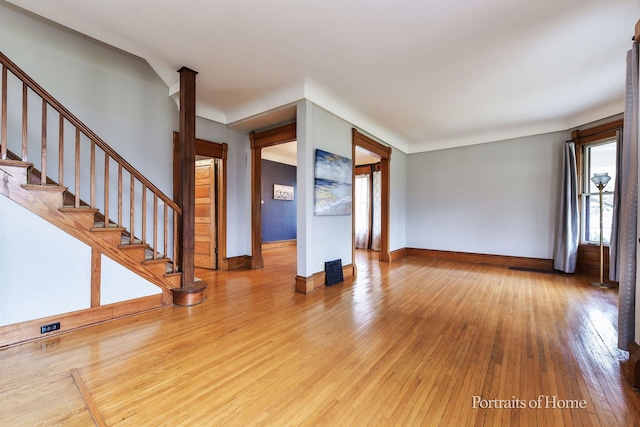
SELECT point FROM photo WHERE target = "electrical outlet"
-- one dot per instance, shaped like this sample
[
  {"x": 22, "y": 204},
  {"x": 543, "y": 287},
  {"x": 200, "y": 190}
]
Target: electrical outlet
[
  {"x": 321, "y": 266},
  {"x": 49, "y": 328}
]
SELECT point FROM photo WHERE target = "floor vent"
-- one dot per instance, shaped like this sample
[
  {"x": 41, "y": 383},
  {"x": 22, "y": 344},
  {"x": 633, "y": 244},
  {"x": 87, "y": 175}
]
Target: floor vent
[
  {"x": 534, "y": 270},
  {"x": 334, "y": 272}
]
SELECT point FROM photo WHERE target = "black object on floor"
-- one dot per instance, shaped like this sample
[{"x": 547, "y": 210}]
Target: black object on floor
[{"x": 333, "y": 270}]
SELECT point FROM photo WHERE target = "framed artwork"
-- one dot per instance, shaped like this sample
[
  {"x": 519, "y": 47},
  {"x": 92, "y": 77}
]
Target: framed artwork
[
  {"x": 283, "y": 192},
  {"x": 333, "y": 175}
]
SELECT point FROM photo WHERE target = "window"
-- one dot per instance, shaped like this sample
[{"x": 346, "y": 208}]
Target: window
[{"x": 597, "y": 157}]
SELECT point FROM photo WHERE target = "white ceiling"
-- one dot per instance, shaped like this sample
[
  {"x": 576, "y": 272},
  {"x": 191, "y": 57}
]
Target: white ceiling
[
  {"x": 418, "y": 74},
  {"x": 287, "y": 153}
]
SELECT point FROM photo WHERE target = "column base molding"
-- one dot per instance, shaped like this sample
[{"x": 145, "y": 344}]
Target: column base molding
[
  {"x": 307, "y": 285},
  {"x": 193, "y": 295}
]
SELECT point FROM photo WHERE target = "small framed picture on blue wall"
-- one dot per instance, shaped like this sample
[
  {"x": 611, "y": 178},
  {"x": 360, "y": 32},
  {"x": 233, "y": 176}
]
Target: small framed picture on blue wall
[{"x": 282, "y": 192}]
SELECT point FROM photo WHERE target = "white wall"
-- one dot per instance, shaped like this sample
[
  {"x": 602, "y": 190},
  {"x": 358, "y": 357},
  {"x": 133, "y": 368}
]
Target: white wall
[
  {"x": 119, "y": 284},
  {"x": 43, "y": 270},
  {"x": 46, "y": 272},
  {"x": 116, "y": 94},
  {"x": 398, "y": 201},
  {"x": 238, "y": 183},
  {"x": 320, "y": 238},
  {"x": 496, "y": 198},
  {"x": 304, "y": 177},
  {"x": 332, "y": 234}
]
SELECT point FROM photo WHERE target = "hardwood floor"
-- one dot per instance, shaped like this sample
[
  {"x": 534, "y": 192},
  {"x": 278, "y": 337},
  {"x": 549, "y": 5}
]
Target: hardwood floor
[{"x": 417, "y": 342}]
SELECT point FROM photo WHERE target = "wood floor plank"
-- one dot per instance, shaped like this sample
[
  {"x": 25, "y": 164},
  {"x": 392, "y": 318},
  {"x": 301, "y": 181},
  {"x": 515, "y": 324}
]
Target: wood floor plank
[{"x": 415, "y": 342}]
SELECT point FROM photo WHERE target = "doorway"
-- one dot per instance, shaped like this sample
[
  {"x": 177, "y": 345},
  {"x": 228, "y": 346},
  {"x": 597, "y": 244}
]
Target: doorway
[
  {"x": 259, "y": 141},
  {"x": 205, "y": 230},
  {"x": 211, "y": 202},
  {"x": 363, "y": 143},
  {"x": 279, "y": 201},
  {"x": 367, "y": 201}
]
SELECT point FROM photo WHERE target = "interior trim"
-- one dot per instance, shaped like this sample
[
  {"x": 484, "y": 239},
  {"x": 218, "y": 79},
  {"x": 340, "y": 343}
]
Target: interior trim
[
  {"x": 398, "y": 254},
  {"x": 88, "y": 399},
  {"x": 242, "y": 262},
  {"x": 597, "y": 133},
  {"x": 30, "y": 330},
  {"x": 96, "y": 276},
  {"x": 361, "y": 140},
  {"x": 260, "y": 140},
  {"x": 275, "y": 136},
  {"x": 502, "y": 260}
]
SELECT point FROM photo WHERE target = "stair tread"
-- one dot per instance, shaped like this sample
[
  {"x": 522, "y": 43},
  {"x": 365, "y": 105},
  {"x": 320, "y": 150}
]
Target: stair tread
[
  {"x": 80, "y": 209},
  {"x": 110, "y": 228},
  {"x": 158, "y": 260},
  {"x": 9, "y": 162},
  {"x": 133, "y": 245},
  {"x": 46, "y": 187}
]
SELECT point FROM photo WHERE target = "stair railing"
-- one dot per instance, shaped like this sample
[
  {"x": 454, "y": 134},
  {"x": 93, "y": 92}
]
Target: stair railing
[{"x": 132, "y": 187}]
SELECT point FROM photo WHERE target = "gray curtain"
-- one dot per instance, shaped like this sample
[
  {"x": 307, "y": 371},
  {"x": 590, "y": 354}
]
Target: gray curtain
[
  {"x": 628, "y": 207},
  {"x": 566, "y": 248},
  {"x": 615, "y": 229}
]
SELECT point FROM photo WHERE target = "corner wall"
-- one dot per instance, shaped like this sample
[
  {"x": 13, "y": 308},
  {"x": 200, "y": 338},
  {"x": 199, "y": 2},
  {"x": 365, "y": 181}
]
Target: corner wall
[{"x": 320, "y": 238}]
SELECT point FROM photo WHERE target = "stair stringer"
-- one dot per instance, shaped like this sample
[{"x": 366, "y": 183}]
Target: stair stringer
[{"x": 46, "y": 201}]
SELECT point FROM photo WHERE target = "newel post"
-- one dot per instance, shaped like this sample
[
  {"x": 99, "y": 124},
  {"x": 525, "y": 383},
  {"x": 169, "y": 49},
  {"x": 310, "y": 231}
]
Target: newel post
[{"x": 190, "y": 291}]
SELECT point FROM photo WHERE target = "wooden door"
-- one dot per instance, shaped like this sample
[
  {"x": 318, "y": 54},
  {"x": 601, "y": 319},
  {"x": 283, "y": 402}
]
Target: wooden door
[{"x": 205, "y": 215}]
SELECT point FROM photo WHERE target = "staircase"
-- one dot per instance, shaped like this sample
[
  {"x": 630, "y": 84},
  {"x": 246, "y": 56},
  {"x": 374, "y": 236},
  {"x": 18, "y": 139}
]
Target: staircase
[
  {"x": 71, "y": 183},
  {"x": 47, "y": 201}
]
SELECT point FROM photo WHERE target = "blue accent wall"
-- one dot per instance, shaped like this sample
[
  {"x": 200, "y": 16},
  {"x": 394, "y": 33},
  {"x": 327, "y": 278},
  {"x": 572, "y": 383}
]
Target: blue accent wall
[{"x": 278, "y": 216}]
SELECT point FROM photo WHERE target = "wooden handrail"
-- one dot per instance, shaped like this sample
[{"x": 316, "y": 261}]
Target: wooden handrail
[
  {"x": 83, "y": 128},
  {"x": 3, "y": 125},
  {"x": 51, "y": 107}
]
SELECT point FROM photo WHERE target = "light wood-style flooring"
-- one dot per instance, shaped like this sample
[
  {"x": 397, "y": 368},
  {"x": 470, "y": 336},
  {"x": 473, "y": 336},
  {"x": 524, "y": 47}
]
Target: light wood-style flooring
[{"x": 417, "y": 342}]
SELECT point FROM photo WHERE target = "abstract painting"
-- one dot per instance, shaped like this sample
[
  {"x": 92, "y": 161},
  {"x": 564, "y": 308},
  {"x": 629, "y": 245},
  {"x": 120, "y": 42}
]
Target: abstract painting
[{"x": 333, "y": 184}]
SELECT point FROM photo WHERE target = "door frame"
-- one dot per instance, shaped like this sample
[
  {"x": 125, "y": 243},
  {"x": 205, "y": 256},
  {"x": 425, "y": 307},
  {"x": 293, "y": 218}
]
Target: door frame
[
  {"x": 218, "y": 151},
  {"x": 384, "y": 152},
  {"x": 259, "y": 140}
]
